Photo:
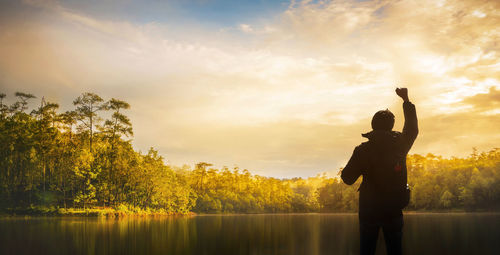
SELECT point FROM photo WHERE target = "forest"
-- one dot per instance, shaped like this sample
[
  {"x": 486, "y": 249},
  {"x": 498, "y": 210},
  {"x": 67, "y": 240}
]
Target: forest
[{"x": 84, "y": 158}]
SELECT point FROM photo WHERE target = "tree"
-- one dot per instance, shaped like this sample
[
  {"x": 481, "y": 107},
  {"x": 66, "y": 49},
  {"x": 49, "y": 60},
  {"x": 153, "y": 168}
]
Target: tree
[
  {"x": 119, "y": 124},
  {"x": 113, "y": 129},
  {"x": 3, "y": 107},
  {"x": 86, "y": 172},
  {"x": 22, "y": 104},
  {"x": 200, "y": 172},
  {"x": 46, "y": 134},
  {"x": 446, "y": 199},
  {"x": 46, "y": 161},
  {"x": 87, "y": 106}
]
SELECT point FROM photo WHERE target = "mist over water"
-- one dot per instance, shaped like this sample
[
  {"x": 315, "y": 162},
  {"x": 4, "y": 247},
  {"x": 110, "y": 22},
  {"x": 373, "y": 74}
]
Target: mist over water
[{"x": 455, "y": 233}]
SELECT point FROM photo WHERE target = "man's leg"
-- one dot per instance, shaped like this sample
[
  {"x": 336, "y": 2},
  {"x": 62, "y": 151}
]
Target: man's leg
[
  {"x": 368, "y": 237},
  {"x": 393, "y": 235}
]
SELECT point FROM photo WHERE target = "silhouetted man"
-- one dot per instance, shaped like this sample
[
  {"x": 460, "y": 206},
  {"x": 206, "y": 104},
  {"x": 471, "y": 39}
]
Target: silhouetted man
[{"x": 384, "y": 192}]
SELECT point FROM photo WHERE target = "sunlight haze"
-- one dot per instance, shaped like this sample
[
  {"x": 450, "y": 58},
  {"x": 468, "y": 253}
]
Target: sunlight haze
[{"x": 280, "y": 88}]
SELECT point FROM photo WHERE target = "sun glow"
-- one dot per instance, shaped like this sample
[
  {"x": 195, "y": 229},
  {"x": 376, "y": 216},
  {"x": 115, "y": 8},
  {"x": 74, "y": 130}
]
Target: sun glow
[{"x": 312, "y": 72}]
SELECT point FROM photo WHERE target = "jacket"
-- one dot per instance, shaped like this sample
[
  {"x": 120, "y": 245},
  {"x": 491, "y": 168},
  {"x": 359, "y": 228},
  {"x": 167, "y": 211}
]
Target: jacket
[{"x": 382, "y": 163}]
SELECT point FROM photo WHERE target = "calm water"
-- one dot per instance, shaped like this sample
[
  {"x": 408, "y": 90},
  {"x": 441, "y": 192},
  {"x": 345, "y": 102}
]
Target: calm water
[{"x": 307, "y": 234}]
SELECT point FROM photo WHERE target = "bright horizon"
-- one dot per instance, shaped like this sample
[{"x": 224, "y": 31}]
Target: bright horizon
[{"x": 280, "y": 88}]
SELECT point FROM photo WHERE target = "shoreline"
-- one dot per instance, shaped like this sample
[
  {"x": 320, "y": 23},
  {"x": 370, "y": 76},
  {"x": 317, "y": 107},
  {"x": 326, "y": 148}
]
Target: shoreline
[
  {"x": 87, "y": 212},
  {"x": 110, "y": 213}
]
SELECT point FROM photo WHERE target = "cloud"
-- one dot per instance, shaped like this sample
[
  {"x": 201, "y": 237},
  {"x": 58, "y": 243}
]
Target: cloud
[
  {"x": 484, "y": 101},
  {"x": 246, "y": 28},
  {"x": 285, "y": 96},
  {"x": 456, "y": 134},
  {"x": 441, "y": 40}
]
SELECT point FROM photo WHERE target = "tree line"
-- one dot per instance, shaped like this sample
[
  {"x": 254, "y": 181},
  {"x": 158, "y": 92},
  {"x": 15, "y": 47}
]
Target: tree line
[{"x": 80, "y": 159}]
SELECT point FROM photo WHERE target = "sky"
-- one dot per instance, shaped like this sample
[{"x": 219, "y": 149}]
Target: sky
[{"x": 281, "y": 88}]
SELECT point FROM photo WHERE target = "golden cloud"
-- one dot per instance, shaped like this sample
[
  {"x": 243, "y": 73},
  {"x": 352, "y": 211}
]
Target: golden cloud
[{"x": 291, "y": 100}]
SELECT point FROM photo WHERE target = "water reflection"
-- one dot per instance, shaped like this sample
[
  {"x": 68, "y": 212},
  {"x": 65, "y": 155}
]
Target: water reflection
[{"x": 243, "y": 234}]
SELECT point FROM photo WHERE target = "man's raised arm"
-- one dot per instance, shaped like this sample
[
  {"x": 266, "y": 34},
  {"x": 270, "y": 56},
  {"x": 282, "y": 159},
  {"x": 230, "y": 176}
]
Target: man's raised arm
[{"x": 410, "y": 129}]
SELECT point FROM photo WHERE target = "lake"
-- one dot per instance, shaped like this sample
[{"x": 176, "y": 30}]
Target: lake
[{"x": 309, "y": 234}]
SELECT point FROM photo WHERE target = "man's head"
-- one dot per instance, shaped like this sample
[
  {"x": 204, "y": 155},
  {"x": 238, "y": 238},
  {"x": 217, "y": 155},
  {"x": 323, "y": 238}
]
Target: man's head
[{"x": 383, "y": 120}]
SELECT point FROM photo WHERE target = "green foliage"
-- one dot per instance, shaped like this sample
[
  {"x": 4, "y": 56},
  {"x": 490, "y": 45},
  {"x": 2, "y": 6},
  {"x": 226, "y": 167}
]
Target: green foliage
[
  {"x": 66, "y": 160},
  {"x": 446, "y": 199},
  {"x": 50, "y": 162},
  {"x": 470, "y": 183}
]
